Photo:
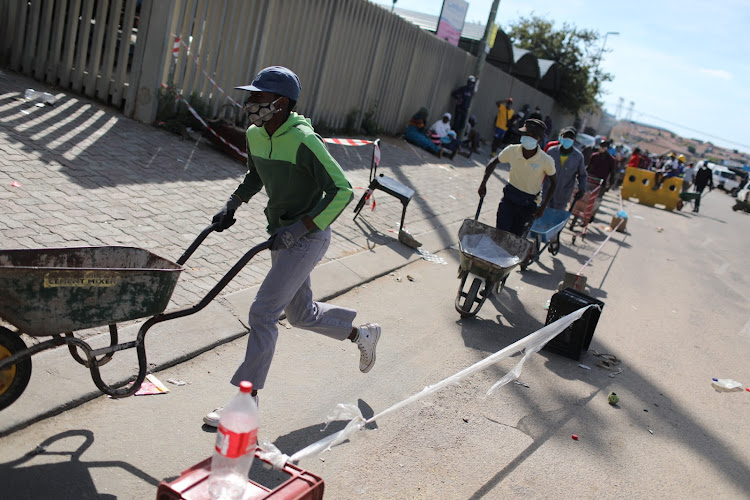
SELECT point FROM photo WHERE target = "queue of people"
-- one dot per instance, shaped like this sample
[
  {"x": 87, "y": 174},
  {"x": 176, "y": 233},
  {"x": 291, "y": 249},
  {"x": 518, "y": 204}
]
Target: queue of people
[{"x": 444, "y": 138}]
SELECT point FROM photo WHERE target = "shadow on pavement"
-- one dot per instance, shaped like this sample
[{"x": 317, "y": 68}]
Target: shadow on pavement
[
  {"x": 646, "y": 413},
  {"x": 65, "y": 479}
]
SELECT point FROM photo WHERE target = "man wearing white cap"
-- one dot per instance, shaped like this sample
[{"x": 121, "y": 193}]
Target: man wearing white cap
[{"x": 307, "y": 191}]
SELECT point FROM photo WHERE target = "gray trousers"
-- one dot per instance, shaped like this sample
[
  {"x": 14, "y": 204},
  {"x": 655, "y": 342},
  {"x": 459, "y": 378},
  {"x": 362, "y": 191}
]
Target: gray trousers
[{"x": 287, "y": 288}]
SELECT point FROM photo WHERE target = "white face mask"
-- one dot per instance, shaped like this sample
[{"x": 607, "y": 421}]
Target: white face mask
[
  {"x": 528, "y": 143},
  {"x": 260, "y": 113}
]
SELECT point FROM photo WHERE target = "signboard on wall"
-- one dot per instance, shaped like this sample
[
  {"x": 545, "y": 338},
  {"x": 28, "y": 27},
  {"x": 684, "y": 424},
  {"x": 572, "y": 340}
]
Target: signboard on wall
[{"x": 451, "y": 21}]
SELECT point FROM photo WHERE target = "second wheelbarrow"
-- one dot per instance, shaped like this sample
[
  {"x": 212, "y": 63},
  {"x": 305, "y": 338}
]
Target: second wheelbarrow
[
  {"x": 546, "y": 234},
  {"x": 488, "y": 254}
]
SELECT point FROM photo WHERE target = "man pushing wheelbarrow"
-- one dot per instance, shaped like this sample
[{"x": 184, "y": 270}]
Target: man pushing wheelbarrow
[
  {"x": 491, "y": 254},
  {"x": 307, "y": 191},
  {"x": 528, "y": 167}
]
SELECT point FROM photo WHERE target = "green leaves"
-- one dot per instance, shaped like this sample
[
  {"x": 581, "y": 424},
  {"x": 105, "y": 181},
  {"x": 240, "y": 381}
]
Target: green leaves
[{"x": 577, "y": 52}]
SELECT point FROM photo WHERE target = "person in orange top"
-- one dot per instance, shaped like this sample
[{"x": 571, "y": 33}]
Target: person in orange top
[{"x": 635, "y": 159}]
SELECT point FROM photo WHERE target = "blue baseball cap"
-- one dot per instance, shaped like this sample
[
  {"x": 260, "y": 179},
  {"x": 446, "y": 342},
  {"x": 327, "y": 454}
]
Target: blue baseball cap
[{"x": 277, "y": 80}]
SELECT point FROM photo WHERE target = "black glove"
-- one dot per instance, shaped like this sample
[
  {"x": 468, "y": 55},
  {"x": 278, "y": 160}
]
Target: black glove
[
  {"x": 225, "y": 217},
  {"x": 287, "y": 237}
]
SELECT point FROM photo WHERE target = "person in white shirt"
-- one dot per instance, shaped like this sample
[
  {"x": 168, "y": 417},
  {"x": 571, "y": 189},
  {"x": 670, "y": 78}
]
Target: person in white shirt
[
  {"x": 687, "y": 177},
  {"x": 442, "y": 126}
]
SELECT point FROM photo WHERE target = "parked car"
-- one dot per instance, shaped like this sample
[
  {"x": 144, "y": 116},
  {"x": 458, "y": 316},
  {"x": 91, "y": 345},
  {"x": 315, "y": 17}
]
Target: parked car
[
  {"x": 584, "y": 140},
  {"x": 724, "y": 178}
]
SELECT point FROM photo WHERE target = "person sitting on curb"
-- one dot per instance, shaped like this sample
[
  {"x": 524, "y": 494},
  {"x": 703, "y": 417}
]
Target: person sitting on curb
[
  {"x": 444, "y": 137},
  {"x": 307, "y": 190},
  {"x": 528, "y": 166},
  {"x": 416, "y": 132},
  {"x": 569, "y": 170}
]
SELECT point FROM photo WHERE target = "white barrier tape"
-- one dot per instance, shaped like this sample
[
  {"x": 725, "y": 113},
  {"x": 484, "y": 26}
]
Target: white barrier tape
[
  {"x": 600, "y": 247},
  {"x": 531, "y": 344}
]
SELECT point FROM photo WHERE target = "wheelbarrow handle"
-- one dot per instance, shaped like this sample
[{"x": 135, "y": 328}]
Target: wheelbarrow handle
[
  {"x": 479, "y": 208},
  {"x": 193, "y": 246}
]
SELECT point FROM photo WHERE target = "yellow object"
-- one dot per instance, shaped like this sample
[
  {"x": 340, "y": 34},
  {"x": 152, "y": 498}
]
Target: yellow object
[
  {"x": 639, "y": 183},
  {"x": 671, "y": 155},
  {"x": 493, "y": 35},
  {"x": 503, "y": 116},
  {"x": 681, "y": 158},
  {"x": 527, "y": 175},
  {"x": 8, "y": 374}
]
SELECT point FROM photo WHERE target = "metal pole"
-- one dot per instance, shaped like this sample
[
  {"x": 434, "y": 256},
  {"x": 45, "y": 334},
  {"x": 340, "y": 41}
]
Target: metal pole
[
  {"x": 601, "y": 52},
  {"x": 481, "y": 58}
]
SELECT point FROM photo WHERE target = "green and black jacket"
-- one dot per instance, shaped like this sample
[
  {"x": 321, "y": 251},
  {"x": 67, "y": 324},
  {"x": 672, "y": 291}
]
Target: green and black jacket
[{"x": 300, "y": 175}]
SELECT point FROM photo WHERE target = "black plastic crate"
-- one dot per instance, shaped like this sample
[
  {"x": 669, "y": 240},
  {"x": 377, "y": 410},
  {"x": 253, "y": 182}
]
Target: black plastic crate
[{"x": 575, "y": 339}]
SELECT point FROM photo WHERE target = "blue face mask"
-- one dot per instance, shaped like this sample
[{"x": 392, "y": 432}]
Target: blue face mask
[
  {"x": 566, "y": 142},
  {"x": 528, "y": 143}
]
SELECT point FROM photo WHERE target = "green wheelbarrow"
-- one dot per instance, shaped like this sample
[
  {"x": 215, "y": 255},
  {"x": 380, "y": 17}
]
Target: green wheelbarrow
[{"x": 56, "y": 291}]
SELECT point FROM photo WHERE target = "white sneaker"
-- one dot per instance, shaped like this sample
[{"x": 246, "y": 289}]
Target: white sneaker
[
  {"x": 367, "y": 341},
  {"x": 212, "y": 418}
]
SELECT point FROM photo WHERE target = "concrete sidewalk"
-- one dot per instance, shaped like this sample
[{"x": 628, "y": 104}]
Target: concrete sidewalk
[{"x": 80, "y": 174}]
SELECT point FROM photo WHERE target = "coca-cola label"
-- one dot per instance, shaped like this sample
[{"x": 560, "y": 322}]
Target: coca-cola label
[{"x": 235, "y": 444}]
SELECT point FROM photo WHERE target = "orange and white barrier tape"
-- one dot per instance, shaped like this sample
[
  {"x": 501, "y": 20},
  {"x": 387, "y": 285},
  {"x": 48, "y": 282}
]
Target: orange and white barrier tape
[{"x": 348, "y": 142}]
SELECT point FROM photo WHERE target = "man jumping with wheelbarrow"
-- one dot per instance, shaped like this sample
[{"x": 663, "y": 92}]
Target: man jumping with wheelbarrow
[
  {"x": 528, "y": 166},
  {"x": 307, "y": 191}
]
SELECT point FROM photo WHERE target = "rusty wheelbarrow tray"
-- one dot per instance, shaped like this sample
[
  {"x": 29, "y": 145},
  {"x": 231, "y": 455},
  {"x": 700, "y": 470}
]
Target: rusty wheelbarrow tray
[{"x": 56, "y": 291}]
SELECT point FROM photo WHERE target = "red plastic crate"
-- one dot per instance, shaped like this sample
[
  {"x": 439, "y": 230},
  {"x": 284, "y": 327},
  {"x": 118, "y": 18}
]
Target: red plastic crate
[{"x": 193, "y": 485}]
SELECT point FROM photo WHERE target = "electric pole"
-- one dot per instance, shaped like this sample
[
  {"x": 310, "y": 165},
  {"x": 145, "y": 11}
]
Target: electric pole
[{"x": 481, "y": 56}]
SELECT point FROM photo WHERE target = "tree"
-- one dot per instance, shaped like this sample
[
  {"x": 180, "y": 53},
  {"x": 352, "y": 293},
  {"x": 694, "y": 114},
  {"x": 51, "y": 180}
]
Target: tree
[{"x": 577, "y": 53}]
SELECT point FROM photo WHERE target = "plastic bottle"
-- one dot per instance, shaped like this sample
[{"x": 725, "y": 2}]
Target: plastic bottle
[
  {"x": 236, "y": 441},
  {"x": 36, "y": 95},
  {"x": 726, "y": 385}
]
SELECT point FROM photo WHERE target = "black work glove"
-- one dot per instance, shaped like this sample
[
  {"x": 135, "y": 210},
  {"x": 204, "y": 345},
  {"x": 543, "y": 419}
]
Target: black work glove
[
  {"x": 225, "y": 217},
  {"x": 287, "y": 237}
]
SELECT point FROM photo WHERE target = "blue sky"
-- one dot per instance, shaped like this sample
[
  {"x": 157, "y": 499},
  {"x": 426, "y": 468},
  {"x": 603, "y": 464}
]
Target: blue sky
[{"x": 685, "y": 64}]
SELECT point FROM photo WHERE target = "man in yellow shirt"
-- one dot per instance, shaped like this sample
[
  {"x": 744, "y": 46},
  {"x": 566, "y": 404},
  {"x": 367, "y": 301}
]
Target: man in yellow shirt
[
  {"x": 528, "y": 167},
  {"x": 504, "y": 115}
]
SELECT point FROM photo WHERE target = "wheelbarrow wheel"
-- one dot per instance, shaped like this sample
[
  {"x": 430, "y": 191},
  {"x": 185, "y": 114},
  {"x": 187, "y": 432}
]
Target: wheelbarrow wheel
[
  {"x": 14, "y": 379},
  {"x": 470, "y": 297}
]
